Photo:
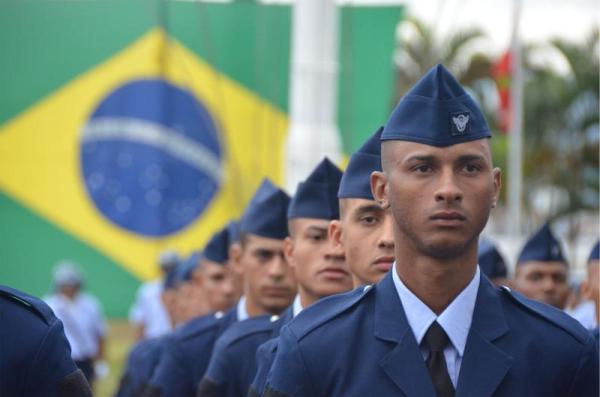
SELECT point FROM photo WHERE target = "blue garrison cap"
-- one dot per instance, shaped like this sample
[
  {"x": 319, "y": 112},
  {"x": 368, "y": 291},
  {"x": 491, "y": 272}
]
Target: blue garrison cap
[
  {"x": 490, "y": 261},
  {"x": 543, "y": 247},
  {"x": 356, "y": 181},
  {"x": 316, "y": 197},
  {"x": 595, "y": 254},
  {"x": 266, "y": 215},
  {"x": 437, "y": 111},
  {"x": 185, "y": 270},
  {"x": 233, "y": 231},
  {"x": 217, "y": 248},
  {"x": 171, "y": 279}
]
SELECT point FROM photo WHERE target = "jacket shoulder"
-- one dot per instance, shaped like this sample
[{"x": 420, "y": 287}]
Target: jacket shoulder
[
  {"x": 196, "y": 327},
  {"x": 326, "y": 310},
  {"x": 243, "y": 329},
  {"x": 19, "y": 300},
  {"x": 548, "y": 314}
]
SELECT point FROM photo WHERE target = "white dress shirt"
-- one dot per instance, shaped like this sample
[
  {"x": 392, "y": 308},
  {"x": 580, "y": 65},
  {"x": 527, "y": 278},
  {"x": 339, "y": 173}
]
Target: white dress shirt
[
  {"x": 149, "y": 311},
  {"x": 83, "y": 322},
  {"x": 296, "y": 306},
  {"x": 455, "y": 320},
  {"x": 242, "y": 310}
]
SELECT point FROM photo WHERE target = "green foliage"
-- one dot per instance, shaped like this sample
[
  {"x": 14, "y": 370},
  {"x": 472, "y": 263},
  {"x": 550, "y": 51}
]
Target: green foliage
[{"x": 561, "y": 125}]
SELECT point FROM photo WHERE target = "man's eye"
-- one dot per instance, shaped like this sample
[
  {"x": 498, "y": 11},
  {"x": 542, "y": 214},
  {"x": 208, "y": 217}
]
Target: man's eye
[
  {"x": 423, "y": 168},
  {"x": 317, "y": 238},
  {"x": 535, "y": 277},
  {"x": 368, "y": 220},
  {"x": 471, "y": 168}
]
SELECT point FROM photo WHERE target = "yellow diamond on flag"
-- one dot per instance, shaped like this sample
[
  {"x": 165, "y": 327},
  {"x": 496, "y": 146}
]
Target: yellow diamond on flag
[{"x": 131, "y": 182}]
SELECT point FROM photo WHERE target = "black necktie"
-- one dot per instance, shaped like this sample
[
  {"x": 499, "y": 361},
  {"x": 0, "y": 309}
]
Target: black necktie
[{"x": 436, "y": 340}]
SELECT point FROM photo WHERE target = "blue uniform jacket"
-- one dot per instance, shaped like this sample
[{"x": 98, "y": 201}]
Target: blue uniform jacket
[
  {"x": 360, "y": 344},
  {"x": 141, "y": 363},
  {"x": 35, "y": 356},
  {"x": 185, "y": 355},
  {"x": 232, "y": 365},
  {"x": 265, "y": 355}
]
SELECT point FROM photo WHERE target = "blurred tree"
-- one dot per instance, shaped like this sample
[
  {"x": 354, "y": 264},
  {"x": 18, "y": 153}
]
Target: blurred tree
[
  {"x": 561, "y": 127},
  {"x": 418, "y": 49}
]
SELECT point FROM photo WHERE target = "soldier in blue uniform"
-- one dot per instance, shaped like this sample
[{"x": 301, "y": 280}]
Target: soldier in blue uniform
[
  {"x": 591, "y": 286},
  {"x": 35, "y": 357},
  {"x": 363, "y": 231},
  {"x": 320, "y": 271},
  {"x": 144, "y": 356},
  {"x": 268, "y": 286},
  {"x": 434, "y": 326},
  {"x": 492, "y": 263},
  {"x": 542, "y": 272}
]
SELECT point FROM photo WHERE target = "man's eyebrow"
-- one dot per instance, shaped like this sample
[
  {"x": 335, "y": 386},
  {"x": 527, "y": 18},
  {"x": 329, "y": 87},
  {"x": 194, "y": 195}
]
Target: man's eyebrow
[
  {"x": 470, "y": 157},
  {"x": 421, "y": 157},
  {"x": 368, "y": 208},
  {"x": 319, "y": 229}
]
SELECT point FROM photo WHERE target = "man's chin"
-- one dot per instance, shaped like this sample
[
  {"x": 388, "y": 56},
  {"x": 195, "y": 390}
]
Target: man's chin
[{"x": 445, "y": 249}]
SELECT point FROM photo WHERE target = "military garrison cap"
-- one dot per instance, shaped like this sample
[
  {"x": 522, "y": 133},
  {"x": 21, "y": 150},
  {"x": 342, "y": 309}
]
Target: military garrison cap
[
  {"x": 316, "y": 197},
  {"x": 542, "y": 246},
  {"x": 490, "y": 261},
  {"x": 356, "y": 181},
  {"x": 437, "y": 111},
  {"x": 266, "y": 215},
  {"x": 595, "y": 254},
  {"x": 217, "y": 248}
]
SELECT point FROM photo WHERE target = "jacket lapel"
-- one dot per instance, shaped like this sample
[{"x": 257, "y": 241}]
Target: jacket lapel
[
  {"x": 404, "y": 362},
  {"x": 484, "y": 365}
]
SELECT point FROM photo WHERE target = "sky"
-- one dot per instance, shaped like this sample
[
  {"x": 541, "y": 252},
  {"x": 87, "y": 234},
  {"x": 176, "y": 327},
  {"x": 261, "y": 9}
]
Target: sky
[{"x": 540, "y": 19}]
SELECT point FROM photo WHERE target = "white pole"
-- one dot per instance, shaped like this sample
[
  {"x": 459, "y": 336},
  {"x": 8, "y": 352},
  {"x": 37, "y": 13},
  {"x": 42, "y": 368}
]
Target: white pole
[
  {"x": 313, "y": 131},
  {"x": 515, "y": 154}
]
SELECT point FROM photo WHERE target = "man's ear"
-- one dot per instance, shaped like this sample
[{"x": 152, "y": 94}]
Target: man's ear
[
  {"x": 585, "y": 290},
  {"x": 334, "y": 232},
  {"x": 379, "y": 188},
  {"x": 288, "y": 251},
  {"x": 235, "y": 258},
  {"x": 497, "y": 172}
]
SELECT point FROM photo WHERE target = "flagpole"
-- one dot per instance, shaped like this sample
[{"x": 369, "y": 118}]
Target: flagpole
[
  {"x": 515, "y": 154},
  {"x": 313, "y": 131}
]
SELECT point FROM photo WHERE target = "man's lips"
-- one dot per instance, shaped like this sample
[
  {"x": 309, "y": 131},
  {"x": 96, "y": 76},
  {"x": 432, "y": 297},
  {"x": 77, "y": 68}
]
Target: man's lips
[
  {"x": 334, "y": 272},
  {"x": 276, "y": 291},
  {"x": 448, "y": 218},
  {"x": 384, "y": 263}
]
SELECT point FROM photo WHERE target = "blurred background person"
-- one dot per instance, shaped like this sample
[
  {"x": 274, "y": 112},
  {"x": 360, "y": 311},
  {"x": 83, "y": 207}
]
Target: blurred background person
[
  {"x": 591, "y": 286},
  {"x": 542, "y": 271},
  {"x": 82, "y": 318},
  {"x": 492, "y": 263},
  {"x": 148, "y": 313}
]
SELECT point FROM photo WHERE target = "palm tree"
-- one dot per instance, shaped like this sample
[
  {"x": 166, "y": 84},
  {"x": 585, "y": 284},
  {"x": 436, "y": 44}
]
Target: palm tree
[
  {"x": 419, "y": 49},
  {"x": 562, "y": 125}
]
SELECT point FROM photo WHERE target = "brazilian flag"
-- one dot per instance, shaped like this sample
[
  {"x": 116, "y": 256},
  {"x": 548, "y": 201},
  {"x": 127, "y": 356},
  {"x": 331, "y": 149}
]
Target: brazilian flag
[{"x": 130, "y": 127}]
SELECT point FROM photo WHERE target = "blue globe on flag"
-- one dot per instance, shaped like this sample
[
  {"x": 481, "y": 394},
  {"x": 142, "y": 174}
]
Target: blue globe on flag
[{"x": 151, "y": 158}]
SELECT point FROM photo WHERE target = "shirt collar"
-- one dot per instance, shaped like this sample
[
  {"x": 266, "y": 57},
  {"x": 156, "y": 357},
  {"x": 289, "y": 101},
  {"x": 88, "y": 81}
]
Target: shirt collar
[
  {"x": 242, "y": 311},
  {"x": 296, "y": 306},
  {"x": 455, "y": 319}
]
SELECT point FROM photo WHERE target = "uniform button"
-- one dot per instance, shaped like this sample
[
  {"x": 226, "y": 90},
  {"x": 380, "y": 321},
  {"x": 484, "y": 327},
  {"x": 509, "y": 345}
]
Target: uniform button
[
  {"x": 218, "y": 315},
  {"x": 274, "y": 318}
]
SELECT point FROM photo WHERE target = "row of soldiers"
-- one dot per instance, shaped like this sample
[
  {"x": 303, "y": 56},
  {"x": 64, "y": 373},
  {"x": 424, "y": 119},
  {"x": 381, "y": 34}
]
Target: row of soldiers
[
  {"x": 363, "y": 283},
  {"x": 372, "y": 282}
]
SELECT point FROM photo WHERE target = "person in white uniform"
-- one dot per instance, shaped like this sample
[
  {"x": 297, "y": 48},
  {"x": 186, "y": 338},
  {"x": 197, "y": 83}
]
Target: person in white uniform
[
  {"x": 148, "y": 313},
  {"x": 81, "y": 315}
]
